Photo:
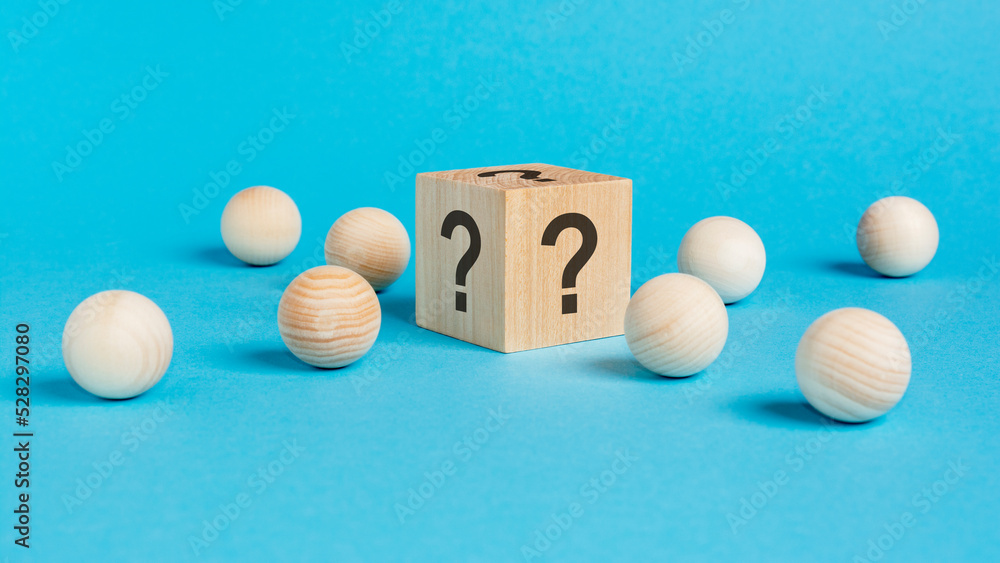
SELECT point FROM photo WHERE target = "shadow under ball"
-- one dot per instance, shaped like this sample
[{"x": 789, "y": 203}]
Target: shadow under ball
[
  {"x": 676, "y": 325},
  {"x": 329, "y": 316},
  {"x": 117, "y": 344},
  {"x": 897, "y": 236},
  {"x": 853, "y": 364},
  {"x": 372, "y": 242}
]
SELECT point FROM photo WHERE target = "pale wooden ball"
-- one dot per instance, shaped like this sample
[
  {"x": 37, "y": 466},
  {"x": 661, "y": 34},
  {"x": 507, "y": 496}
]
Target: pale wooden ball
[
  {"x": 372, "y": 242},
  {"x": 726, "y": 253},
  {"x": 261, "y": 225},
  {"x": 329, "y": 316},
  {"x": 853, "y": 364},
  {"x": 676, "y": 325},
  {"x": 117, "y": 344},
  {"x": 897, "y": 236}
]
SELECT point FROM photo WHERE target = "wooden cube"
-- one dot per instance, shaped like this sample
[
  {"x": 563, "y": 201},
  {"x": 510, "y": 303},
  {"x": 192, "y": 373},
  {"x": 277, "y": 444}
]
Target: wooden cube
[{"x": 520, "y": 257}]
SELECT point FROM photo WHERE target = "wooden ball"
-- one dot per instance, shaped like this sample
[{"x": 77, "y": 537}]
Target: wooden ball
[
  {"x": 329, "y": 316},
  {"x": 897, "y": 236},
  {"x": 676, "y": 325},
  {"x": 853, "y": 364},
  {"x": 726, "y": 253},
  {"x": 117, "y": 344},
  {"x": 261, "y": 225},
  {"x": 372, "y": 242}
]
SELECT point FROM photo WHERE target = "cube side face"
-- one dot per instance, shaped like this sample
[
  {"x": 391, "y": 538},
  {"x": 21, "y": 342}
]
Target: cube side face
[
  {"x": 547, "y": 227},
  {"x": 469, "y": 214}
]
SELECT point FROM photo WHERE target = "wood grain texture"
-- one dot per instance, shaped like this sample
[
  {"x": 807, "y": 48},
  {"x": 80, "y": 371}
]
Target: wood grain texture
[
  {"x": 329, "y": 316},
  {"x": 261, "y": 225},
  {"x": 853, "y": 364},
  {"x": 548, "y": 175},
  {"x": 726, "y": 253},
  {"x": 676, "y": 325},
  {"x": 372, "y": 242},
  {"x": 514, "y": 291},
  {"x": 117, "y": 344},
  {"x": 437, "y": 259},
  {"x": 897, "y": 236}
]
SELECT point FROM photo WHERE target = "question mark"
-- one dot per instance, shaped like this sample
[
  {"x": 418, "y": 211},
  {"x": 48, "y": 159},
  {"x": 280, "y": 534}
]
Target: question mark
[
  {"x": 455, "y": 219},
  {"x": 525, "y": 175},
  {"x": 576, "y": 263}
]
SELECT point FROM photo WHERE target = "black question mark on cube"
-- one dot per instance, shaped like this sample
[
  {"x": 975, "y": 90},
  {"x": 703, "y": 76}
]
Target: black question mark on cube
[
  {"x": 455, "y": 219},
  {"x": 576, "y": 263},
  {"x": 525, "y": 175}
]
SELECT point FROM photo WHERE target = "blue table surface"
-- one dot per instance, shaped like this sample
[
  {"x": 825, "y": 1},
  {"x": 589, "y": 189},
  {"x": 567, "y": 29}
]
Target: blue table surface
[{"x": 793, "y": 116}]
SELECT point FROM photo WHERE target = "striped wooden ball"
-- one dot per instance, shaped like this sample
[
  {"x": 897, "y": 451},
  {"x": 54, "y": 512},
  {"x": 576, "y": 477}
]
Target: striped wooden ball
[
  {"x": 853, "y": 364},
  {"x": 372, "y": 242},
  {"x": 261, "y": 225},
  {"x": 676, "y": 325},
  {"x": 117, "y": 344},
  {"x": 329, "y": 316}
]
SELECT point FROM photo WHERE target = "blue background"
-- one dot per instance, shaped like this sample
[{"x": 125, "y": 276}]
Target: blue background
[{"x": 911, "y": 109}]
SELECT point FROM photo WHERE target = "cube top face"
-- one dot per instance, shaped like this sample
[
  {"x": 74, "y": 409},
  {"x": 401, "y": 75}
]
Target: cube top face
[
  {"x": 512, "y": 263},
  {"x": 520, "y": 176}
]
